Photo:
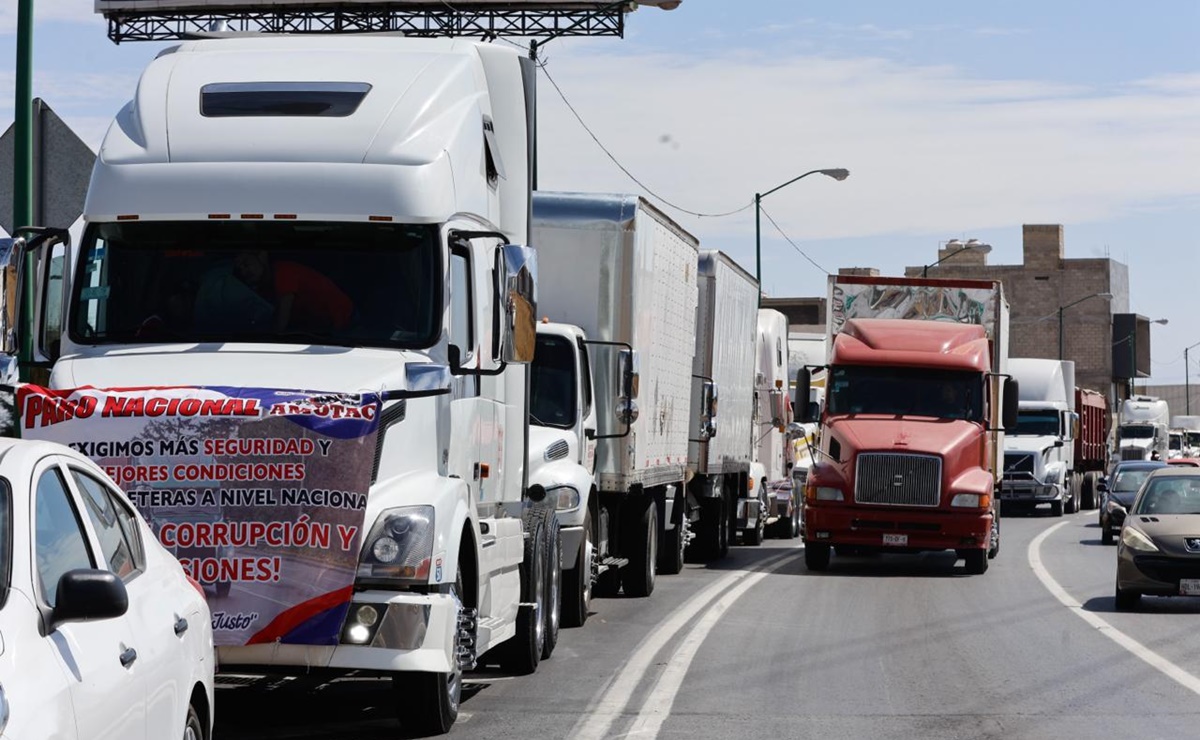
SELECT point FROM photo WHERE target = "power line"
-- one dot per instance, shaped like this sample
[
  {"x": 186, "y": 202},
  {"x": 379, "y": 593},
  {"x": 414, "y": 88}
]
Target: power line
[
  {"x": 622, "y": 167},
  {"x": 789, "y": 241}
]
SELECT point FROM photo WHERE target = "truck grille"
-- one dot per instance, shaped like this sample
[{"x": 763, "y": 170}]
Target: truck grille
[
  {"x": 1018, "y": 465},
  {"x": 1132, "y": 453},
  {"x": 899, "y": 480}
]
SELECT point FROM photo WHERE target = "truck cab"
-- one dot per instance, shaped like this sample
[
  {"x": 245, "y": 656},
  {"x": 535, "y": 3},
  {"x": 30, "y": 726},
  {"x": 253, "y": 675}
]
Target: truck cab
[{"x": 1039, "y": 453}]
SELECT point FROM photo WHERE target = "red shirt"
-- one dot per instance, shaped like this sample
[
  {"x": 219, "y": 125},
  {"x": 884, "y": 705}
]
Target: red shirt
[{"x": 318, "y": 300}]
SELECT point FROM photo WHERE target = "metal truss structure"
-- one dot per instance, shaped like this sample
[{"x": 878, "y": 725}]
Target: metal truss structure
[{"x": 463, "y": 19}]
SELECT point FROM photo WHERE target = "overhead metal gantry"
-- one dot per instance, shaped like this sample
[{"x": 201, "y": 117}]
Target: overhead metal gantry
[{"x": 166, "y": 21}]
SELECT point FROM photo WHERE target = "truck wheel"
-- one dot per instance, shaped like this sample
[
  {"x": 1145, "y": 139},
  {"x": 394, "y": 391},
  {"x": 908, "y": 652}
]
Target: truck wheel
[
  {"x": 754, "y": 536},
  {"x": 707, "y": 543},
  {"x": 552, "y": 605},
  {"x": 790, "y": 527},
  {"x": 577, "y": 582},
  {"x": 427, "y": 703},
  {"x": 816, "y": 556},
  {"x": 1072, "y": 486},
  {"x": 994, "y": 537},
  {"x": 976, "y": 561},
  {"x": 726, "y": 524},
  {"x": 1088, "y": 491},
  {"x": 522, "y": 653},
  {"x": 670, "y": 557},
  {"x": 641, "y": 546},
  {"x": 1056, "y": 508}
]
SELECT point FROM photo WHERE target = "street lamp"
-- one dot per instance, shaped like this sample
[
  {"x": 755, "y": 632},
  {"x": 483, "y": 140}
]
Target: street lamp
[
  {"x": 838, "y": 174},
  {"x": 1187, "y": 388},
  {"x": 1060, "y": 317}
]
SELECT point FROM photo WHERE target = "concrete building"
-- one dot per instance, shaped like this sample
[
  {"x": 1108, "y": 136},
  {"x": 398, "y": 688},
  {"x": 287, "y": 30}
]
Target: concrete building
[{"x": 1036, "y": 289}]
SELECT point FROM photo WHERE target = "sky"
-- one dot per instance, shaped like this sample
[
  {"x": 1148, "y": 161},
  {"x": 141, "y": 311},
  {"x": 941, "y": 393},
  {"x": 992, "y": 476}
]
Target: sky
[{"x": 956, "y": 120}]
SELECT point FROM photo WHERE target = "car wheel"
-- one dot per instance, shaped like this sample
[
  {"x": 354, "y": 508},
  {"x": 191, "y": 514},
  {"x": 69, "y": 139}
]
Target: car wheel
[
  {"x": 816, "y": 556},
  {"x": 192, "y": 728},
  {"x": 1056, "y": 508},
  {"x": 1106, "y": 534},
  {"x": 1125, "y": 599}
]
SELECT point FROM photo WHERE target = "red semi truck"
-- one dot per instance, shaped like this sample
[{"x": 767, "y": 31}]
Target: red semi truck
[{"x": 911, "y": 439}]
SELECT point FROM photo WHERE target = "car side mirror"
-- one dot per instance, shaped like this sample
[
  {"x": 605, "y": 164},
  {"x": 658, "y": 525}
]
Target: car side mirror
[
  {"x": 86, "y": 595},
  {"x": 1102, "y": 486}
]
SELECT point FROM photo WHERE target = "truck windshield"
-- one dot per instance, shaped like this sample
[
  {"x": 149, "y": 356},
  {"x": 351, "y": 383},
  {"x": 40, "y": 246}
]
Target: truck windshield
[
  {"x": 1137, "y": 432},
  {"x": 1176, "y": 442},
  {"x": 1039, "y": 423},
  {"x": 896, "y": 391},
  {"x": 552, "y": 383},
  {"x": 348, "y": 284}
]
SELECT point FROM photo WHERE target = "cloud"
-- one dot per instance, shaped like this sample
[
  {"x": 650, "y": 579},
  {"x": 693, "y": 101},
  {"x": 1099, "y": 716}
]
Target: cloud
[
  {"x": 71, "y": 11},
  {"x": 930, "y": 148}
]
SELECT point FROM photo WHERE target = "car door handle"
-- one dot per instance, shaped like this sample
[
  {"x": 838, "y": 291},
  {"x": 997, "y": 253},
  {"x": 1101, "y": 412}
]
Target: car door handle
[
  {"x": 181, "y": 626},
  {"x": 128, "y": 657}
]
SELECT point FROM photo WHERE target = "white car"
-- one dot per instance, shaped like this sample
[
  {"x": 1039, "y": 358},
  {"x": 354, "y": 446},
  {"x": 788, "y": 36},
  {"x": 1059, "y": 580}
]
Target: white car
[{"x": 102, "y": 635}]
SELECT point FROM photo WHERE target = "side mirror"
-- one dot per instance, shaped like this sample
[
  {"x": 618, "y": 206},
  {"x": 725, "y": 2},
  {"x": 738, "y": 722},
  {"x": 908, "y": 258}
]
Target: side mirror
[
  {"x": 1009, "y": 410},
  {"x": 796, "y": 430},
  {"x": 803, "y": 390},
  {"x": 708, "y": 410},
  {"x": 1058, "y": 443},
  {"x": 518, "y": 304},
  {"x": 779, "y": 408},
  {"x": 84, "y": 595},
  {"x": 629, "y": 370},
  {"x": 11, "y": 251}
]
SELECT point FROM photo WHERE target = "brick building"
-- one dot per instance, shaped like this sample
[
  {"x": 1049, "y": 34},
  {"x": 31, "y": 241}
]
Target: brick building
[{"x": 1036, "y": 289}]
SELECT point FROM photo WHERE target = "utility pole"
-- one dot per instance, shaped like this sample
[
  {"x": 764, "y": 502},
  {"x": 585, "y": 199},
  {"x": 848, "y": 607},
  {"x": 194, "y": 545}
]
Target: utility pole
[{"x": 23, "y": 160}]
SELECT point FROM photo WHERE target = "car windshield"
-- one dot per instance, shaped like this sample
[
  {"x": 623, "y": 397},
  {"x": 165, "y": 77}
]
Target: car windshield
[
  {"x": 905, "y": 392},
  {"x": 349, "y": 284},
  {"x": 1128, "y": 481},
  {"x": 1170, "y": 495},
  {"x": 552, "y": 383},
  {"x": 1136, "y": 431},
  {"x": 1038, "y": 423}
]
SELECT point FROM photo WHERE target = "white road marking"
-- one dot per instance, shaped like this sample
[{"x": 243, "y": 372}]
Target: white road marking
[
  {"x": 658, "y": 705},
  {"x": 1180, "y": 676},
  {"x": 615, "y": 697}
]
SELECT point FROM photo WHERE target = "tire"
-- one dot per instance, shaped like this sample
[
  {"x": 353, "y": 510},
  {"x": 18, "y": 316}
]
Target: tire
[
  {"x": 552, "y": 613},
  {"x": 193, "y": 729},
  {"x": 1072, "y": 505},
  {"x": 1087, "y": 492},
  {"x": 641, "y": 547},
  {"x": 1056, "y": 508},
  {"x": 754, "y": 537},
  {"x": 427, "y": 703},
  {"x": 976, "y": 561},
  {"x": 577, "y": 582},
  {"x": 674, "y": 541},
  {"x": 1126, "y": 600},
  {"x": 707, "y": 543},
  {"x": 522, "y": 653},
  {"x": 1106, "y": 534},
  {"x": 790, "y": 528},
  {"x": 816, "y": 556},
  {"x": 725, "y": 529},
  {"x": 994, "y": 537}
]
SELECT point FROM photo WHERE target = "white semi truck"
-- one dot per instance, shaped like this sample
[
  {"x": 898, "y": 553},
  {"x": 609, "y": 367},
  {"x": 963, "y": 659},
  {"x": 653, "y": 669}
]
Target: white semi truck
[
  {"x": 1142, "y": 428},
  {"x": 770, "y": 472},
  {"x": 1039, "y": 465},
  {"x": 721, "y": 447},
  {"x": 398, "y": 170},
  {"x": 1188, "y": 426},
  {"x": 618, "y": 281}
]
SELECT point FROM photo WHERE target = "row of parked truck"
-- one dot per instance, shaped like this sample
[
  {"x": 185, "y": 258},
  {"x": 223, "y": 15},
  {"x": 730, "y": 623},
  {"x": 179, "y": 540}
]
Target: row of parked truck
[{"x": 285, "y": 232}]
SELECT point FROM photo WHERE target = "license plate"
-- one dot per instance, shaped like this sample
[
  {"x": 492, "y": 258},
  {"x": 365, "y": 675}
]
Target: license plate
[
  {"x": 902, "y": 539},
  {"x": 1189, "y": 587}
]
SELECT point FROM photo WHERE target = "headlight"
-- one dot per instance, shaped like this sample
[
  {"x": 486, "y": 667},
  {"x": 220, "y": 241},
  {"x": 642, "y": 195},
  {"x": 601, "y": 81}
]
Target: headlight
[
  {"x": 399, "y": 545},
  {"x": 565, "y": 498},
  {"x": 971, "y": 500},
  {"x": 1135, "y": 540},
  {"x": 826, "y": 493}
]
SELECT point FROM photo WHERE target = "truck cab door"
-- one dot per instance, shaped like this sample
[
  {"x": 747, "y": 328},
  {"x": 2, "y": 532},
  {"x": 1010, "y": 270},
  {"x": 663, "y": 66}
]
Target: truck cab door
[{"x": 587, "y": 428}]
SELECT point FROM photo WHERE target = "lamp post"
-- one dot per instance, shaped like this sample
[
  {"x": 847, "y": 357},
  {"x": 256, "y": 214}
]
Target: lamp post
[
  {"x": 1187, "y": 387},
  {"x": 1064, "y": 308},
  {"x": 838, "y": 174}
]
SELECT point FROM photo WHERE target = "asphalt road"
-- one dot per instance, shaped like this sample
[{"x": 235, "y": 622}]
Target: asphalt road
[{"x": 898, "y": 646}]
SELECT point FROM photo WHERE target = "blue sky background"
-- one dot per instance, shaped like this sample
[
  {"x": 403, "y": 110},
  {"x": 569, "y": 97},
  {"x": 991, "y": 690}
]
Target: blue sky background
[{"x": 957, "y": 120}]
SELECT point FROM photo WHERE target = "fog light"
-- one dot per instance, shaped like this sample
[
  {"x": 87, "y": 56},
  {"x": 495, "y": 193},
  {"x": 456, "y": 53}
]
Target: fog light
[
  {"x": 358, "y": 634},
  {"x": 366, "y": 615}
]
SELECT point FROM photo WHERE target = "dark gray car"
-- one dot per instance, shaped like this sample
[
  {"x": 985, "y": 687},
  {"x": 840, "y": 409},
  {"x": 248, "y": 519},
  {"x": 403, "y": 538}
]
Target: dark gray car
[
  {"x": 1117, "y": 491},
  {"x": 1159, "y": 550}
]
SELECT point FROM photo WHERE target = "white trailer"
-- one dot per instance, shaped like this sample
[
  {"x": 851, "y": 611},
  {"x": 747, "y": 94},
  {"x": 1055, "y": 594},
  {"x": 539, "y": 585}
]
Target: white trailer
[
  {"x": 770, "y": 472},
  {"x": 1142, "y": 428},
  {"x": 398, "y": 171},
  {"x": 618, "y": 278},
  {"x": 1039, "y": 455},
  {"x": 721, "y": 448},
  {"x": 1189, "y": 427}
]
